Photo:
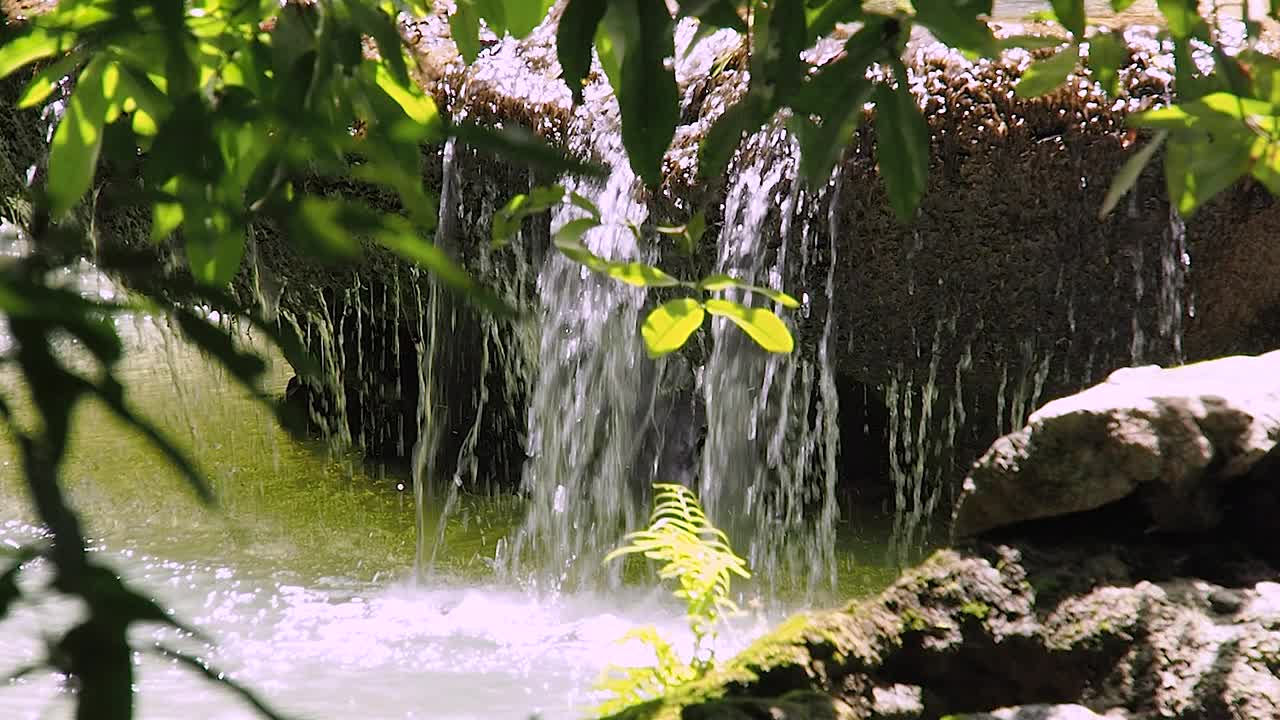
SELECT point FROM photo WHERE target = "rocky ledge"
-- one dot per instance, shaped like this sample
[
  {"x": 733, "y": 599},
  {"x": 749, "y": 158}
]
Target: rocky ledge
[{"x": 1113, "y": 607}]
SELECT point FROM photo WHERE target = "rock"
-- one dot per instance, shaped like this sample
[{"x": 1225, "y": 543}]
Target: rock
[
  {"x": 1013, "y": 631},
  {"x": 1040, "y": 712},
  {"x": 1173, "y": 438}
]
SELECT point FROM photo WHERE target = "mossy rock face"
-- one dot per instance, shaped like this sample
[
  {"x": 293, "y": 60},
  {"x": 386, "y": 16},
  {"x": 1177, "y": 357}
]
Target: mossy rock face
[{"x": 1144, "y": 639}]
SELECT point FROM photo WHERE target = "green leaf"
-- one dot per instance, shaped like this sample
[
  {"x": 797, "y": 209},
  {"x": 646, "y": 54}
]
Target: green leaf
[
  {"x": 787, "y": 38},
  {"x": 569, "y": 242},
  {"x": 716, "y": 13},
  {"x": 214, "y": 242},
  {"x": 1182, "y": 17},
  {"x": 1129, "y": 173},
  {"x": 246, "y": 367},
  {"x": 506, "y": 222},
  {"x": 574, "y": 38},
  {"x": 46, "y": 81},
  {"x": 416, "y": 104},
  {"x": 317, "y": 227},
  {"x": 1029, "y": 42},
  {"x": 464, "y": 28},
  {"x": 569, "y": 238},
  {"x": 1266, "y": 166},
  {"x": 726, "y": 133},
  {"x": 822, "y": 143},
  {"x": 721, "y": 281},
  {"x": 763, "y": 326},
  {"x": 669, "y": 325},
  {"x": 29, "y": 45},
  {"x": 957, "y": 23},
  {"x": 1264, "y": 75},
  {"x": 902, "y": 145},
  {"x": 524, "y": 15},
  {"x": 374, "y": 22},
  {"x": 1119, "y": 6},
  {"x": 822, "y": 18},
  {"x": 73, "y": 154},
  {"x": 517, "y": 144},
  {"x": 1070, "y": 14},
  {"x": 1196, "y": 171},
  {"x": 640, "y": 275},
  {"x": 584, "y": 203},
  {"x": 1107, "y": 54},
  {"x": 642, "y": 36},
  {"x": 1048, "y": 74}
]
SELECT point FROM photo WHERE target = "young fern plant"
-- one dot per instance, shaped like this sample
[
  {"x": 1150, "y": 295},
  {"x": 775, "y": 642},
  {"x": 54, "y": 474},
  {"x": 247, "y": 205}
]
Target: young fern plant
[{"x": 697, "y": 556}]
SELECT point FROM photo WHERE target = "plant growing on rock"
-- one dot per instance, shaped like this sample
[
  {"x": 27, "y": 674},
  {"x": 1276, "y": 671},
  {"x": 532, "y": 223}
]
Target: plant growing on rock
[{"x": 697, "y": 556}]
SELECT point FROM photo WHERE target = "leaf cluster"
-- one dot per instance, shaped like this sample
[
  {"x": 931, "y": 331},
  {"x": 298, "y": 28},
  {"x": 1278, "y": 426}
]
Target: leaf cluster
[{"x": 670, "y": 325}]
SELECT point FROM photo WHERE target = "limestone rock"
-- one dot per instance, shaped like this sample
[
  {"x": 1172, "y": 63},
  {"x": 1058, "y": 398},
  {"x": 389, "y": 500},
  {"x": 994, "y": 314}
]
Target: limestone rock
[
  {"x": 1013, "y": 632},
  {"x": 1172, "y": 437},
  {"x": 1041, "y": 712}
]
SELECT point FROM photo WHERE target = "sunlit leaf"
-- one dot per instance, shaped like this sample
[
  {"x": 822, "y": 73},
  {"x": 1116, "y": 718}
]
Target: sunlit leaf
[
  {"x": 73, "y": 153},
  {"x": 765, "y": 328},
  {"x": 29, "y": 45},
  {"x": 902, "y": 145},
  {"x": 669, "y": 325},
  {"x": 42, "y": 85},
  {"x": 640, "y": 275},
  {"x": 1129, "y": 173},
  {"x": 721, "y": 281},
  {"x": 1048, "y": 74},
  {"x": 416, "y": 104}
]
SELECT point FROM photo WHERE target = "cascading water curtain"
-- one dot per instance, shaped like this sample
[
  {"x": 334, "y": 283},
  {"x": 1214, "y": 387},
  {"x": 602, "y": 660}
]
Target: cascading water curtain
[{"x": 769, "y": 463}]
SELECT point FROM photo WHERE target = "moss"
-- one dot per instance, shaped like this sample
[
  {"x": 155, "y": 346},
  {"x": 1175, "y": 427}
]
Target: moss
[
  {"x": 912, "y": 620},
  {"x": 976, "y": 610}
]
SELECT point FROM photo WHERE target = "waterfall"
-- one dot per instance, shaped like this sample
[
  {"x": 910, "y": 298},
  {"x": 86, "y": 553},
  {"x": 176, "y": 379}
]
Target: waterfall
[
  {"x": 595, "y": 387},
  {"x": 769, "y": 464}
]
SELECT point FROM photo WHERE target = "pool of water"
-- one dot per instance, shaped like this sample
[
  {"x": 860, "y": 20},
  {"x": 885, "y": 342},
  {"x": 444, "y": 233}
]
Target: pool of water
[{"x": 303, "y": 575}]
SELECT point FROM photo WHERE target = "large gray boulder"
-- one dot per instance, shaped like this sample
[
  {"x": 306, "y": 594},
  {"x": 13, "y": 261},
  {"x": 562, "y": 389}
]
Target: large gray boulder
[{"x": 1171, "y": 438}]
